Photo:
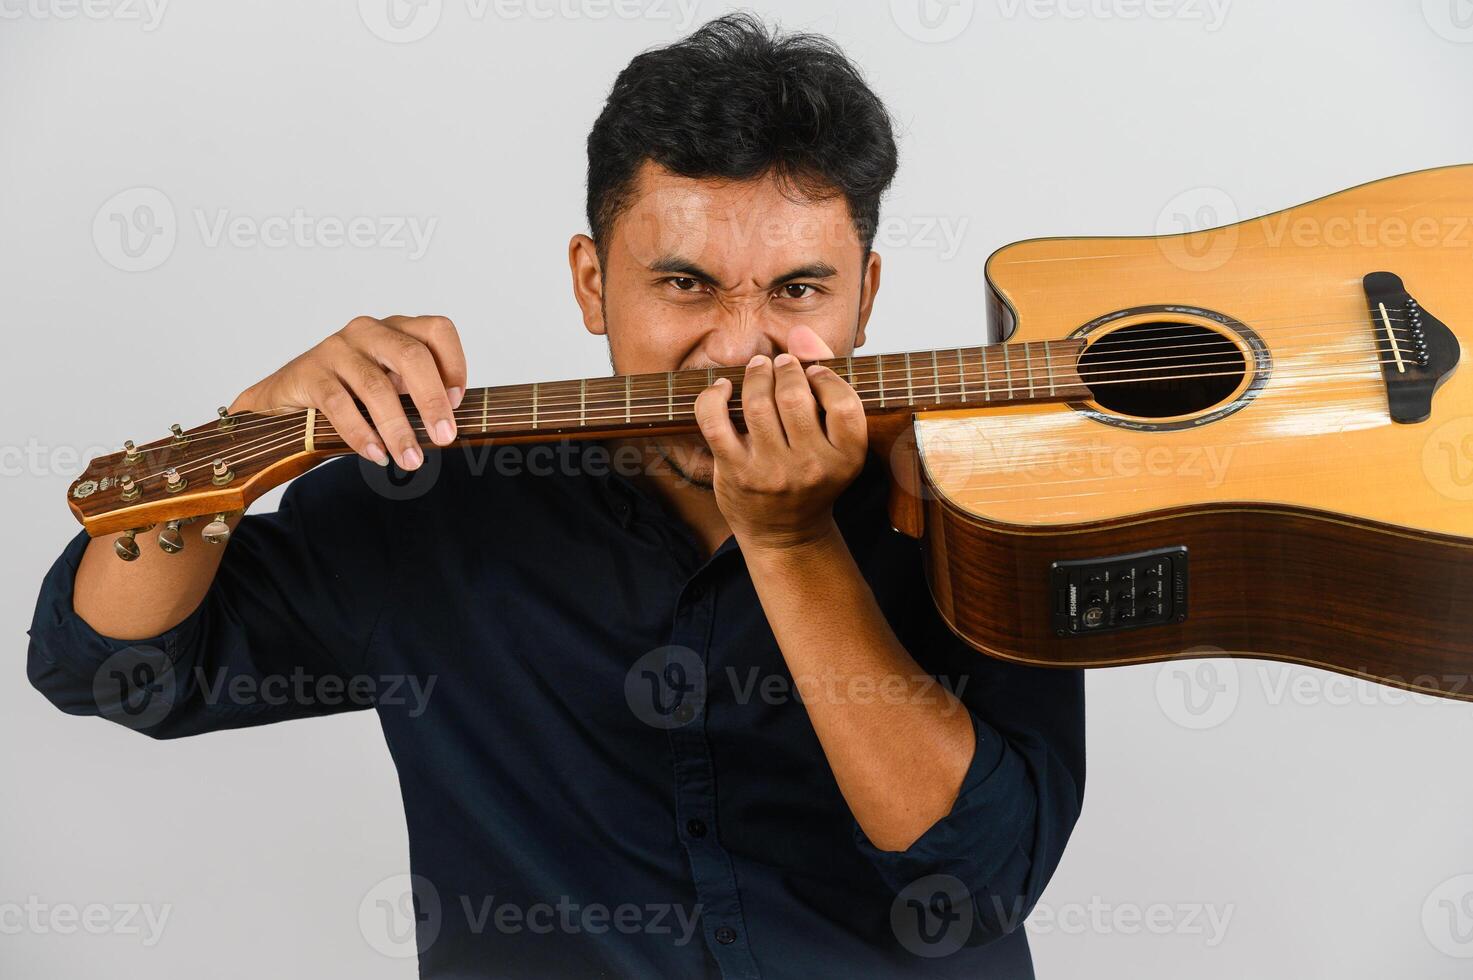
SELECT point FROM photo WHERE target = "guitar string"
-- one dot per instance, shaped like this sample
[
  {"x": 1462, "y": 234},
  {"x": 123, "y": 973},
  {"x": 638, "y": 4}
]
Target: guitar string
[
  {"x": 654, "y": 390},
  {"x": 1367, "y": 386},
  {"x": 921, "y": 388},
  {"x": 1108, "y": 340}
]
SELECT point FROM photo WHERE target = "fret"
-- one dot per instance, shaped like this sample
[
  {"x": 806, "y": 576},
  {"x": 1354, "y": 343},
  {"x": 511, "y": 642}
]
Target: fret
[
  {"x": 534, "y": 406},
  {"x": 961, "y": 371},
  {"x": 670, "y": 394},
  {"x": 583, "y": 402},
  {"x": 986, "y": 378},
  {"x": 880, "y": 367},
  {"x": 910, "y": 394},
  {"x": 485, "y": 408},
  {"x": 849, "y": 369},
  {"x": 628, "y": 397},
  {"x": 1048, "y": 364},
  {"x": 1007, "y": 369},
  {"x": 1028, "y": 354},
  {"x": 936, "y": 373}
]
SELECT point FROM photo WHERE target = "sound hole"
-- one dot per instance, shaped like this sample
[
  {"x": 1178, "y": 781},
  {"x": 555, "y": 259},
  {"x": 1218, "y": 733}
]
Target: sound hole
[{"x": 1160, "y": 370}]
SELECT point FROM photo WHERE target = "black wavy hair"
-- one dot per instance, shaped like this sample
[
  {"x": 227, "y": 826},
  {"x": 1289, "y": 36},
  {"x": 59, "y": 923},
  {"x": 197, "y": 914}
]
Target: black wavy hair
[{"x": 734, "y": 100}]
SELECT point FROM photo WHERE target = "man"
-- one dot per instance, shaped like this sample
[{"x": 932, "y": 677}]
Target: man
[{"x": 697, "y": 717}]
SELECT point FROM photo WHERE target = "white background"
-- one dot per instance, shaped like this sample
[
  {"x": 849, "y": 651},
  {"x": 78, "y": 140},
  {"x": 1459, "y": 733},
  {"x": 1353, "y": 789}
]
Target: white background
[{"x": 1325, "y": 818}]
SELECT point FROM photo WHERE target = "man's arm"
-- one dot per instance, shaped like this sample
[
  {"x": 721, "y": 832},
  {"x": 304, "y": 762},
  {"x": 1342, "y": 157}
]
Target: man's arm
[
  {"x": 899, "y": 745},
  {"x": 156, "y": 643},
  {"x": 370, "y": 361},
  {"x": 983, "y": 787}
]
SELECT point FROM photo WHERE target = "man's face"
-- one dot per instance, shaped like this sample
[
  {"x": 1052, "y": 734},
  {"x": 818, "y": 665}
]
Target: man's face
[{"x": 701, "y": 273}]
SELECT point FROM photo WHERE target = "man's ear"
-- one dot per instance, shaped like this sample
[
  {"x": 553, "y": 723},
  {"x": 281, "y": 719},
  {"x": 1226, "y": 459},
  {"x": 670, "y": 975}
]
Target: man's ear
[
  {"x": 867, "y": 295},
  {"x": 588, "y": 282}
]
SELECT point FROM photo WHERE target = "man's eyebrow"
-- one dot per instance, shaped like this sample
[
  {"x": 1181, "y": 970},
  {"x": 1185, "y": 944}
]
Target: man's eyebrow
[{"x": 675, "y": 265}]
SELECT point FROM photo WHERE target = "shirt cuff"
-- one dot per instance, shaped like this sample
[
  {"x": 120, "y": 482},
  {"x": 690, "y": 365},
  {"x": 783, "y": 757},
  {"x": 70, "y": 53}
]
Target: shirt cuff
[
  {"x": 987, "y": 838},
  {"x": 62, "y": 639}
]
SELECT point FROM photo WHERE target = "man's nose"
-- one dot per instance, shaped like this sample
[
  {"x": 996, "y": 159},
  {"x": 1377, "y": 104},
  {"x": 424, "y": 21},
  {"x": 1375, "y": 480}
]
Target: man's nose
[{"x": 738, "y": 335}]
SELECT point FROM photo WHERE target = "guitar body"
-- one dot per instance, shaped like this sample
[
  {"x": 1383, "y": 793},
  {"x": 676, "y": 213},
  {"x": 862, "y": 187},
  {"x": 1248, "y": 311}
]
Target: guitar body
[{"x": 1274, "y": 506}]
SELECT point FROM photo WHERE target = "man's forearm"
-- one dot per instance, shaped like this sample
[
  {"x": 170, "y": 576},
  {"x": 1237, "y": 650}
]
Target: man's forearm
[
  {"x": 153, "y": 593},
  {"x": 898, "y": 743}
]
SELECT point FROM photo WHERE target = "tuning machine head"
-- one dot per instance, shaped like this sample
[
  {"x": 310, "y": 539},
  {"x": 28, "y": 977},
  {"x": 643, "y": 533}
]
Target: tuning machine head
[
  {"x": 170, "y": 538},
  {"x": 125, "y": 547},
  {"x": 217, "y": 531}
]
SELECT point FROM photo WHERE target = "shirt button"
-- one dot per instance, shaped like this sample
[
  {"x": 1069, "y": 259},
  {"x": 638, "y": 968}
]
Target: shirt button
[
  {"x": 695, "y": 593},
  {"x": 726, "y": 935},
  {"x": 695, "y": 827}
]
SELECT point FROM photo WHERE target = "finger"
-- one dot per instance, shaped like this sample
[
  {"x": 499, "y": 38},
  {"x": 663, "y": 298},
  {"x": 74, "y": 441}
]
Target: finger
[
  {"x": 843, "y": 411},
  {"x": 371, "y": 384},
  {"x": 713, "y": 414},
  {"x": 759, "y": 411},
  {"x": 807, "y": 346},
  {"x": 336, "y": 403},
  {"x": 438, "y": 333},
  {"x": 407, "y": 356},
  {"x": 794, "y": 397}
]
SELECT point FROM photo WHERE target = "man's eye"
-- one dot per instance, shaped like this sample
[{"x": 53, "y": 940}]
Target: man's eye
[
  {"x": 797, "y": 290},
  {"x": 684, "y": 283}
]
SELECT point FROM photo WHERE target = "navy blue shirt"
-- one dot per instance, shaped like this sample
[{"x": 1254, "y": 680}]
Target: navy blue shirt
[{"x": 606, "y": 766}]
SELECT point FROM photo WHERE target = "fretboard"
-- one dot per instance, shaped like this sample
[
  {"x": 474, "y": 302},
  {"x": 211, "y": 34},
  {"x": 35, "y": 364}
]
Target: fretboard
[{"x": 906, "y": 382}]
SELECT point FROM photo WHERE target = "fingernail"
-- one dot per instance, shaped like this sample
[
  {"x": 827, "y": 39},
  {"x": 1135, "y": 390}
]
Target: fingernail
[
  {"x": 412, "y": 458},
  {"x": 456, "y": 394},
  {"x": 444, "y": 431},
  {"x": 756, "y": 360},
  {"x": 783, "y": 359},
  {"x": 376, "y": 453}
]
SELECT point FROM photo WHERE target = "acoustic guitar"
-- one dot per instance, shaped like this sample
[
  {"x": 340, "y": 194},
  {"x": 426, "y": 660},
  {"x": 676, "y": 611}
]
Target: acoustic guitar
[{"x": 1249, "y": 441}]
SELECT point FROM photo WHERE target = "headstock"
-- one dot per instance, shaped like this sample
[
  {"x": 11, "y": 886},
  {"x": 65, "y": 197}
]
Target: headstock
[{"x": 209, "y": 471}]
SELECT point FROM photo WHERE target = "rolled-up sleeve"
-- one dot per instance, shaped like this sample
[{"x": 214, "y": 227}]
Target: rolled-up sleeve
[
  {"x": 1021, "y": 795},
  {"x": 282, "y": 633}
]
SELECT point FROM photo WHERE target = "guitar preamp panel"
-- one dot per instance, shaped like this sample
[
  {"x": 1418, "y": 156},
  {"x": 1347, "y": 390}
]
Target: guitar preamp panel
[{"x": 1101, "y": 595}]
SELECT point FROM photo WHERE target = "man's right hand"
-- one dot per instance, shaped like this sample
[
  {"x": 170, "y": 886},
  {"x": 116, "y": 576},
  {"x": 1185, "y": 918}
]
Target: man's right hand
[{"x": 374, "y": 362}]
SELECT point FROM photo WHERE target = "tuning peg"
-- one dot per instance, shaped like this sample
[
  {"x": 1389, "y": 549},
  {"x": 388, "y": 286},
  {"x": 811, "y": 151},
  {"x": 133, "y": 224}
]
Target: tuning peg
[
  {"x": 129, "y": 488},
  {"x": 125, "y": 547},
  {"x": 226, "y": 422},
  {"x": 170, "y": 539},
  {"x": 178, "y": 431},
  {"x": 217, "y": 531},
  {"x": 221, "y": 473},
  {"x": 130, "y": 452},
  {"x": 173, "y": 481}
]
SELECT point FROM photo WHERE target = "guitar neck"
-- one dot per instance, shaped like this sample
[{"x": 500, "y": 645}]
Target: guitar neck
[
  {"x": 664, "y": 402},
  {"x": 219, "y": 467}
]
